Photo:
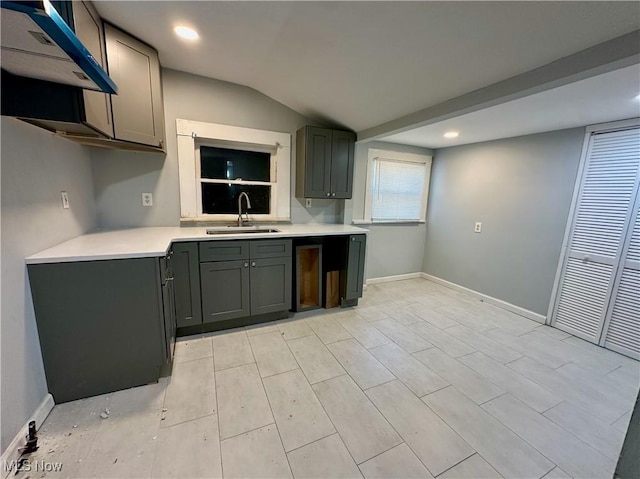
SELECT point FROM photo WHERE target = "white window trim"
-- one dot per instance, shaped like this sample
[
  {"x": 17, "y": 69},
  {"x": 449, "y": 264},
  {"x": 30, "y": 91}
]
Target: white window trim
[
  {"x": 191, "y": 134},
  {"x": 398, "y": 156}
]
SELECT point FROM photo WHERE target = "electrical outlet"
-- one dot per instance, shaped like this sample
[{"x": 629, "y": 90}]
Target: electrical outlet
[
  {"x": 307, "y": 202},
  {"x": 64, "y": 196},
  {"x": 478, "y": 227},
  {"x": 147, "y": 199}
]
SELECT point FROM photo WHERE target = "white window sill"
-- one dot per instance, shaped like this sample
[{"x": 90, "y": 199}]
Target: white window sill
[{"x": 390, "y": 222}]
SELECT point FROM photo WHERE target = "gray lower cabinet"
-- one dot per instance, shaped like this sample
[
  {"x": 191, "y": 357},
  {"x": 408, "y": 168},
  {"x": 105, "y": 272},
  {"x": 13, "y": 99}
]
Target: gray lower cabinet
[
  {"x": 186, "y": 271},
  {"x": 101, "y": 325},
  {"x": 270, "y": 285},
  {"x": 354, "y": 274},
  {"x": 257, "y": 281},
  {"x": 225, "y": 290}
]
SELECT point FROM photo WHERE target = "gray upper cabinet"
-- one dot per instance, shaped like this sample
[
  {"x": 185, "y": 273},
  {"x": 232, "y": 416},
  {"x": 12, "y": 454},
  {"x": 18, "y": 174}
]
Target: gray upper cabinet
[
  {"x": 137, "y": 108},
  {"x": 324, "y": 163},
  {"x": 89, "y": 30}
]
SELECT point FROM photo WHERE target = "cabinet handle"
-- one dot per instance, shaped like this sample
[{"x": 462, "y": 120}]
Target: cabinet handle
[
  {"x": 333, "y": 194},
  {"x": 353, "y": 238},
  {"x": 328, "y": 194},
  {"x": 253, "y": 264},
  {"x": 246, "y": 265}
]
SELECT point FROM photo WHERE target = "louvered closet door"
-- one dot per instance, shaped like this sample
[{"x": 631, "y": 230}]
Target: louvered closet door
[
  {"x": 622, "y": 328},
  {"x": 603, "y": 214}
]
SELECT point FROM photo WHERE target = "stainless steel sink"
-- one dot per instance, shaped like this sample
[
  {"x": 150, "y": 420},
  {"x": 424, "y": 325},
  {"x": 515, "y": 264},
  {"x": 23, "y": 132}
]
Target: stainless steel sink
[{"x": 235, "y": 230}]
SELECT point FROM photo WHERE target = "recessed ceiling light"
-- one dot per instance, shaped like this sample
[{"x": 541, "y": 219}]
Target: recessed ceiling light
[
  {"x": 186, "y": 33},
  {"x": 451, "y": 134},
  {"x": 638, "y": 98}
]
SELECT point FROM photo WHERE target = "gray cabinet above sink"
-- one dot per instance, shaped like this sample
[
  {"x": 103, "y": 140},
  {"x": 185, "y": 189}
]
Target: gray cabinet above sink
[{"x": 324, "y": 163}]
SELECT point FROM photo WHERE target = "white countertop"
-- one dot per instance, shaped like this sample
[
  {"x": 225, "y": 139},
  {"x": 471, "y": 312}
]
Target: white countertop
[{"x": 155, "y": 241}]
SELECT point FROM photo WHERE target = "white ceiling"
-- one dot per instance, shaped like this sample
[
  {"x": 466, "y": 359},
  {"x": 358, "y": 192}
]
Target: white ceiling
[
  {"x": 360, "y": 64},
  {"x": 608, "y": 97}
]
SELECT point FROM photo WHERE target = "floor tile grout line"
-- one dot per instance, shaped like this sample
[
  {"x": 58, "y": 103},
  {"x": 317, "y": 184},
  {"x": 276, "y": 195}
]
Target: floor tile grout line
[
  {"x": 335, "y": 431},
  {"x": 461, "y": 461},
  {"x": 535, "y": 448},
  {"x": 192, "y": 359},
  {"x": 400, "y": 435},
  {"x": 352, "y": 378},
  {"x": 579, "y": 438},
  {"x": 272, "y": 423},
  {"x": 334, "y": 426},
  {"x": 284, "y": 451},
  {"x": 166, "y": 428},
  {"x": 234, "y": 366},
  {"x": 215, "y": 388},
  {"x": 320, "y": 402},
  {"x": 387, "y": 450}
]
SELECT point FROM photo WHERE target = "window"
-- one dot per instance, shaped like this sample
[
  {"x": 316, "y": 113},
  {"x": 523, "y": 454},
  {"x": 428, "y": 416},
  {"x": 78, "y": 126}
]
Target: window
[
  {"x": 224, "y": 173},
  {"x": 218, "y": 162},
  {"x": 397, "y": 187}
]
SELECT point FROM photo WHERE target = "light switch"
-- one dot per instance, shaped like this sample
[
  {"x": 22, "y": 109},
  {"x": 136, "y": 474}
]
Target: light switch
[
  {"x": 64, "y": 196},
  {"x": 147, "y": 199},
  {"x": 307, "y": 202},
  {"x": 478, "y": 227}
]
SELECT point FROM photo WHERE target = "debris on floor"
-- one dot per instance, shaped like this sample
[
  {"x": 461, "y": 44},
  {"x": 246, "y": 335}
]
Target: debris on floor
[
  {"x": 164, "y": 414},
  {"x": 105, "y": 414}
]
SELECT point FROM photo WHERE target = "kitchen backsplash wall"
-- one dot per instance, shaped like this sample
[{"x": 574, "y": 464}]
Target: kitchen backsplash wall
[
  {"x": 36, "y": 167},
  {"x": 120, "y": 177}
]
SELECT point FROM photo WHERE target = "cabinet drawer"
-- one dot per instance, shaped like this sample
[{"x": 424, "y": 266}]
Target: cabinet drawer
[
  {"x": 276, "y": 248},
  {"x": 223, "y": 250}
]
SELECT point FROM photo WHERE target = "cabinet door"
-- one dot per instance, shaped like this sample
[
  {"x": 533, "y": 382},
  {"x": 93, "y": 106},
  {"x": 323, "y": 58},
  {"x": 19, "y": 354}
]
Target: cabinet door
[
  {"x": 186, "y": 273},
  {"x": 270, "y": 285},
  {"x": 225, "y": 290},
  {"x": 168, "y": 305},
  {"x": 355, "y": 266},
  {"x": 137, "y": 108},
  {"x": 317, "y": 163},
  {"x": 88, "y": 28},
  {"x": 342, "y": 153}
]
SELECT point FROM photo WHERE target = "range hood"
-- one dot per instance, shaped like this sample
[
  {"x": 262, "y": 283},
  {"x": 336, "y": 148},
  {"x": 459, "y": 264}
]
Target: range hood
[{"x": 37, "y": 43}]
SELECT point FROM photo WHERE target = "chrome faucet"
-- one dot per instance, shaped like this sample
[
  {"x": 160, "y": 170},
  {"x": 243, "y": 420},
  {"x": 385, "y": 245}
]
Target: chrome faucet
[{"x": 240, "y": 207}]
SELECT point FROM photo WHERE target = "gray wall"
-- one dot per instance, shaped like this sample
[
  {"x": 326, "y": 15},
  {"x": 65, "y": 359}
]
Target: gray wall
[
  {"x": 121, "y": 177},
  {"x": 520, "y": 189},
  {"x": 392, "y": 249},
  {"x": 36, "y": 166}
]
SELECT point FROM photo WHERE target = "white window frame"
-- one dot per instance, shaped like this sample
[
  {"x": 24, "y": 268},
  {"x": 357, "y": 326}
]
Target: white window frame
[
  {"x": 373, "y": 154},
  {"x": 193, "y": 134}
]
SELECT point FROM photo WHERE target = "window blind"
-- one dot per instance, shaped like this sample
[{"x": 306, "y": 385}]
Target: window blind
[{"x": 397, "y": 190}]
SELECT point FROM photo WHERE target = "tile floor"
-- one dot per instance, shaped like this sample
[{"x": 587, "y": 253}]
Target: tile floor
[{"x": 418, "y": 381}]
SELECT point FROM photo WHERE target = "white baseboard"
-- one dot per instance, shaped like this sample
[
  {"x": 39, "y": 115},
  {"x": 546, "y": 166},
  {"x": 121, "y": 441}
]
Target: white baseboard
[
  {"x": 489, "y": 299},
  {"x": 12, "y": 452},
  {"x": 397, "y": 277}
]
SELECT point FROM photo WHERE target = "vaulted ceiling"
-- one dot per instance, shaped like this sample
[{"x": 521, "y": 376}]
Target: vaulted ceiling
[{"x": 363, "y": 64}]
